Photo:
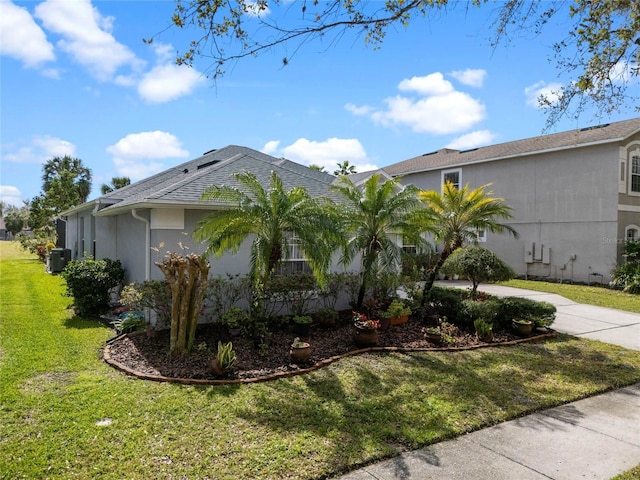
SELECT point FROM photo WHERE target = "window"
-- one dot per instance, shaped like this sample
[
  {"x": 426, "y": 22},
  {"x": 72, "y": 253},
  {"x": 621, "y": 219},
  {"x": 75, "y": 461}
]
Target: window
[
  {"x": 481, "y": 236},
  {"x": 453, "y": 176},
  {"x": 295, "y": 261},
  {"x": 632, "y": 233},
  {"x": 635, "y": 173},
  {"x": 408, "y": 246}
]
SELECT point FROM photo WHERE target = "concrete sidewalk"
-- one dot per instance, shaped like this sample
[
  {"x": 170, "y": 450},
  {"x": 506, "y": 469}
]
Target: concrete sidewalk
[{"x": 594, "y": 438}]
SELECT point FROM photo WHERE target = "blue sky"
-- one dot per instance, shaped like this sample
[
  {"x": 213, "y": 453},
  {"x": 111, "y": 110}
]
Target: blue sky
[{"x": 77, "y": 79}]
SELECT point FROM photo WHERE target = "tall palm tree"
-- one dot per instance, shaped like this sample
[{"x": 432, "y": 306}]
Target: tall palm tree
[
  {"x": 372, "y": 217},
  {"x": 270, "y": 215},
  {"x": 75, "y": 175},
  {"x": 456, "y": 216},
  {"x": 344, "y": 168},
  {"x": 116, "y": 183}
]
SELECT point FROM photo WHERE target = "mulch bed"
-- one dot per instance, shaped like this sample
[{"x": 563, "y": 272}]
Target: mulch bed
[{"x": 147, "y": 355}]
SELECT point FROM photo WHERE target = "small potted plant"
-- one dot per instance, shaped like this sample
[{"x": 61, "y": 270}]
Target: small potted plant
[
  {"x": 398, "y": 312},
  {"x": 484, "y": 330},
  {"x": 365, "y": 331},
  {"x": 522, "y": 326},
  {"x": 433, "y": 334},
  {"x": 234, "y": 318},
  {"x": 300, "y": 351},
  {"x": 327, "y": 317},
  {"x": 224, "y": 359},
  {"x": 302, "y": 325}
]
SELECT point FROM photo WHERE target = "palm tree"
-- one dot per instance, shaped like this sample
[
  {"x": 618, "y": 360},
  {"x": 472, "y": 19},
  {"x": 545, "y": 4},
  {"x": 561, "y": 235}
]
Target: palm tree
[
  {"x": 70, "y": 173},
  {"x": 270, "y": 216},
  {"x": 344, "y": 168},
  {"x": 116, "y": 183},
  {"x": 456, "y": 216},
  {"x": 372, "y": 218}
]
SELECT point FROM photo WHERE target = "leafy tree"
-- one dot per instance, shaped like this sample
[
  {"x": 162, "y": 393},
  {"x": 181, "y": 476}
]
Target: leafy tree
[
  {"x": 14, "y": 221},
  {"x": 373, "y": 216},
  {"x": 599, "y": 50},
  {"x": 269, "y": 215},
  {"x": 478, "y": 264},
  {"x": 344, "y": 168},
  {"x": 116, "y": 183},
  {"x": 40, "y": 213},
  {"x": 455, "y": 216}
]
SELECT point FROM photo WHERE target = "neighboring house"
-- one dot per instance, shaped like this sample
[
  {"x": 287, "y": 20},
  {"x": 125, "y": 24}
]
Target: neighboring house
[
  {"x": 575, "y": 196},
  {"x": 162, "y": 211}
]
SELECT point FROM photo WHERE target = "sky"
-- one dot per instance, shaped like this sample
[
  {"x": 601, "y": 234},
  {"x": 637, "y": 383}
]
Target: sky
[{"x": 76, "y": 79}]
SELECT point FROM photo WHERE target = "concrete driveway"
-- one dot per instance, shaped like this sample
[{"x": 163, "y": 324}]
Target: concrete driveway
[{"x": 596, "y": 323}]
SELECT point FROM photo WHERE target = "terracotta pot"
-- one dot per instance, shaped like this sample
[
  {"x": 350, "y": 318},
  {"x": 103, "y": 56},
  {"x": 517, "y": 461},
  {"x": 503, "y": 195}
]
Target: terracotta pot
[
  {"x": 327, "y": 321},
  {"x": 216, "y": 368},
  {"x": 365, "y": 337},
  {"x": 399, "y": 320},
  {"x": 300, "y": 354},
  {"x": 522, "y": 329},
  {"x": 235, "y": 332},
  {"x": 385, "y": 323},
  {"x": 485, "y": 338},
  {"x": 433, "y": 337}
]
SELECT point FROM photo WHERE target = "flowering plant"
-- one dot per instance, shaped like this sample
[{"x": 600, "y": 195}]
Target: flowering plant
[{"x": 361, "y": 321}]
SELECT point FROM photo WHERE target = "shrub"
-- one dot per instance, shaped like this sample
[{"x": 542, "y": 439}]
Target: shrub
[
  {"x": 542, "y": 313},
  {"x": 152, "y": 294},
  {"x": 89, "y": 283},
  {"x": 475, "y": 309},
  {"x": 478, "y": 264},
  {"x": 448, "y": 302},
  {"x": 627, "y": 276},
  {"x": 130, "y": 322}
]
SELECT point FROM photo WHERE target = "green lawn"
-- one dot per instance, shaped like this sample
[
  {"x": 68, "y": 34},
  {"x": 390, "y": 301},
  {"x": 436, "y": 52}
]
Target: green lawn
[
  {"x": 600, "y": 296},
  {"x": 65, "y": 414}
]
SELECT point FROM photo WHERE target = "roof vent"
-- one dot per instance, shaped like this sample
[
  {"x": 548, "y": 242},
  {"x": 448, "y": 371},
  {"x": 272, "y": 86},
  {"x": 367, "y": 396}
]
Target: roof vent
[
  {"x": 210, "y": 151},
  {"x": 186, "y": 170},
  {"x": 470, "y": 150},
  {"x": 595, "y": 127},
  {"x": 208, "y": 164},
  {"x": 430, "y": 153}
]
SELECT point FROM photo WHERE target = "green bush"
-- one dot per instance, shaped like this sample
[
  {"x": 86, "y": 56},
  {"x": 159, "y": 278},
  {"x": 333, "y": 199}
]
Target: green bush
[
  {"x": 89, "y": 283},
  {"x": 626, "y": 276},
  {"x": 448, "y": 302},
  {"x": 478, "y": 264},
  {"x": 475, "y": 309},
  {"x": 542, "y": 313}
]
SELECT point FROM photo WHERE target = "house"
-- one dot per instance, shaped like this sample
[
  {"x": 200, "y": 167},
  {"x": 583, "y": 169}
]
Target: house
[
  {"x": 575, "y": 196},
  {"x": 162, "y": 211}
]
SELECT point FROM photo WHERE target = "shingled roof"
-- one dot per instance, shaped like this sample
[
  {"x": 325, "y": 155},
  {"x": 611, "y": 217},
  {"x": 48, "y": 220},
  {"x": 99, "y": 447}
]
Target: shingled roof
[
  {"x": 183, "y": 185},
  {"x": 607, "y": 133}
]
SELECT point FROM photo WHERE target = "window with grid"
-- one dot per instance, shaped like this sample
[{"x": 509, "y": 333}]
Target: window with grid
[
  {"x": 452, "y": 176},
  {"x": 635, "y": 173},
  {"x": 295, "y": 261}
]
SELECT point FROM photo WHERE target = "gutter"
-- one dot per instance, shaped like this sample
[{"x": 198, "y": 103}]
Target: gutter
[{"x": 147, "y": 243}]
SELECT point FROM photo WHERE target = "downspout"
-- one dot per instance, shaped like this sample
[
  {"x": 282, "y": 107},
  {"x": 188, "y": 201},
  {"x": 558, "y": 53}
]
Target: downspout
[{"x": 147, "y": 241}]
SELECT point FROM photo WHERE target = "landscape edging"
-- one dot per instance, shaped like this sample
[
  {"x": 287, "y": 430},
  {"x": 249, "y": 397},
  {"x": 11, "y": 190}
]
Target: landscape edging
[{"x": 322, "y": 363}]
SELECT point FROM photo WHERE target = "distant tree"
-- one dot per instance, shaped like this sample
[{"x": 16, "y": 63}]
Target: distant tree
[
  {"x": 40, "y": 213},
  {"x": 599, "y": 49},
  {"x": 344, "y": 168},
  {"x": 66, "y": 182},
  {"x": 478, "y": 264},
  {"x": 14, "y": 221},
  {"x": 313, "y": 166},
  {"x": 116, "y": 183}
]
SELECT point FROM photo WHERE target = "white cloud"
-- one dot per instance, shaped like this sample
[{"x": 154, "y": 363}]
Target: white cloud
[
  {"x": 86, "y": 36},
  {"x": 475, "y": 139},
  {"x": 21, "y": 37},
  {"x": 437, "y": 108},
  {"x": 432, "y": 84},
  {"x": 324, "y": 154},
  {"x": 137, "y": 155},
  {"x": 271, "y": 147},
  {"x": 11, "y": 195},
  {"x": 254, "y": 9},
  {"x": 40, "y": 149},
  {"x": 471, "y": 77},
  {"x": 167, "y": 81},
  {"x": 541, "y": 90}
]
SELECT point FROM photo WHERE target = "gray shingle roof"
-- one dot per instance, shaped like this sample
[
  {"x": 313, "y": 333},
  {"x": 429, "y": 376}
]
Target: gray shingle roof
[
  {"x": 184, "y": 184},
  {"x": 574, "y": 138}
]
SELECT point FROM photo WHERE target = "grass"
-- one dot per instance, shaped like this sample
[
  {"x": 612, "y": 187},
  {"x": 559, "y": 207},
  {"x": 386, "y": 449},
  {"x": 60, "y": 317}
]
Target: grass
[
  {"x": 633, "y": 474},
  {"x": 602, "y": 297},
  {"x": 65, "y": 414}
]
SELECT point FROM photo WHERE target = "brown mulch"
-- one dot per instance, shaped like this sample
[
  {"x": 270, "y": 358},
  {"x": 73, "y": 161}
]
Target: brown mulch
[{"x": 148, "y": 354}]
